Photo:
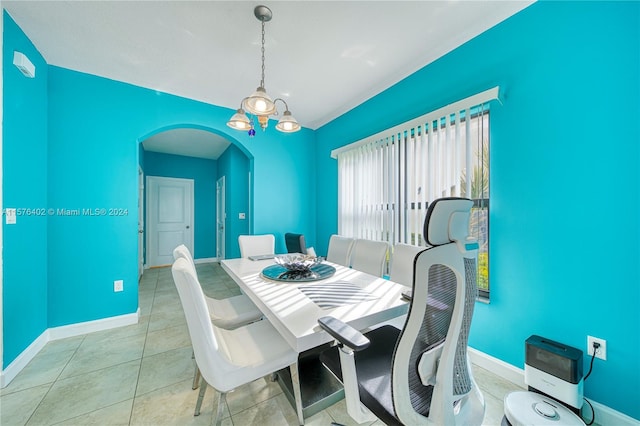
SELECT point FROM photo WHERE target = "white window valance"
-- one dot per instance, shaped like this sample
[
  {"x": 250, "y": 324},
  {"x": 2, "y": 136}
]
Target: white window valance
[{"x": 418, "y": 122}]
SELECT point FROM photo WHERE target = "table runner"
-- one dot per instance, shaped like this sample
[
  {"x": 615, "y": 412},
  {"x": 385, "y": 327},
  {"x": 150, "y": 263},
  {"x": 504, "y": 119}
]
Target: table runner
[{"x": 335, "y": 294}]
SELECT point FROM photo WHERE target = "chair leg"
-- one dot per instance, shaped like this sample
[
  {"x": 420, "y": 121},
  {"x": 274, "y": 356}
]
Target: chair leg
[
  {"x": 196, "y": 378},
  {"x": 221, "y": 401},
  {"x": 203, "y": 388}
]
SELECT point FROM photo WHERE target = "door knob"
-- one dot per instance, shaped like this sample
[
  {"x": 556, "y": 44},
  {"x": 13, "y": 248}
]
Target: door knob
[{"x": 187, "y": 226}]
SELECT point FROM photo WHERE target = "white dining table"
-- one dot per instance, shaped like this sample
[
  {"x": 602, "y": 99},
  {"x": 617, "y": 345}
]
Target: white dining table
[{"x": 295, "y": 315}]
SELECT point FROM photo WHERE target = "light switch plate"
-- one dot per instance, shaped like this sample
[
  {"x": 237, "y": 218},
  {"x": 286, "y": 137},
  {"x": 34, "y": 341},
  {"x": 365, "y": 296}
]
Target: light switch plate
[{"x": 118, "y": 285}]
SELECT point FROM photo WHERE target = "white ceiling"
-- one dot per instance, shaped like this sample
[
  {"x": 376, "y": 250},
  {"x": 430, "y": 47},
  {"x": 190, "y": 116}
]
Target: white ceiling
[
  {"x": 187, "y": 142},
  {"x": 322, "y": 57}
]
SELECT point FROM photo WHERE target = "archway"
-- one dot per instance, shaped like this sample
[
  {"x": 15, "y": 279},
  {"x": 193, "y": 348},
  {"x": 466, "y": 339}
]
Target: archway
[{"x": 179, "y": 151}]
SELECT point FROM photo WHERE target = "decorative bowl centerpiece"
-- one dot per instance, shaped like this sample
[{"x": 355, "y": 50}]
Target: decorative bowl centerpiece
[
  {"x": 298, "y": 268},
  {"x": 300, "y": 263}
]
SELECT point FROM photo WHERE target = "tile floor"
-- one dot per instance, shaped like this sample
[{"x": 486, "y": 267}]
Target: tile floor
[{"x": 142, "y": 374}]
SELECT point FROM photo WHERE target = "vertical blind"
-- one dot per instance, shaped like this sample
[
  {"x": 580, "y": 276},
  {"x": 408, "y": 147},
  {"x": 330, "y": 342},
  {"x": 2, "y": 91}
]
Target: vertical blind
[{"x": 386, "y": 181}]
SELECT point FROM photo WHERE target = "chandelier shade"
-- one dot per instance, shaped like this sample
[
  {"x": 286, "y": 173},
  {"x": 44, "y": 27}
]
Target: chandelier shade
[
  {"x": 259, "y": 103},
  {"x": 239, "y": 121},
  {"x": 287, "y": 123}
]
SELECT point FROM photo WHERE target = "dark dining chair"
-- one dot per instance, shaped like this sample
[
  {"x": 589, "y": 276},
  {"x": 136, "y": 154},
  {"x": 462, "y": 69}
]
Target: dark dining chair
[{"x": 295, "y": 243}]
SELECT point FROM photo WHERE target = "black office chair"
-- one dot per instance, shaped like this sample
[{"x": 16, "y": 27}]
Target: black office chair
[
  {"x": 295, "y": 243},
  {"x": 420, "y": 374}
]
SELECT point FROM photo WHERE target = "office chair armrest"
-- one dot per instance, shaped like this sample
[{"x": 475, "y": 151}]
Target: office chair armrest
[{"x": 344, "y": 333}]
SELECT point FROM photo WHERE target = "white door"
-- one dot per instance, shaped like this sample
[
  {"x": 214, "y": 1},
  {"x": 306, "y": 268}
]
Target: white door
[
  {"x": 221, "y": 214},
  {"x": 140, "y": 223},
  {"x": 169, "y": 218}
]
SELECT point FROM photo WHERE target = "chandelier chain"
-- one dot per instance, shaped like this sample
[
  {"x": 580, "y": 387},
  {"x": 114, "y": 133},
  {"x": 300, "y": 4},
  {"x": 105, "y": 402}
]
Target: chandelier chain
[
  {"x": 260, "y": 105},
  {"x": 262, "y": 81}
]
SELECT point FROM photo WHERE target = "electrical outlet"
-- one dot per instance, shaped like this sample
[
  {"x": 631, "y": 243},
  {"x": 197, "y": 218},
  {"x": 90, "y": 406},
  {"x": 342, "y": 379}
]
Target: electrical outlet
[
  {"x": 118, "y": 285},
  {"x": 601, "y": 352}
]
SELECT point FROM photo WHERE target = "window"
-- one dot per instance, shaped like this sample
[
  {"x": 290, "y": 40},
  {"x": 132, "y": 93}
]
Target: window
[{"x": 387, "y": 181}]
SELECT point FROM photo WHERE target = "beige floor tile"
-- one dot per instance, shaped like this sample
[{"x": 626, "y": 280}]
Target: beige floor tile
[
  {"x": 167, "y": 339},
  {"x": 44, "y": 368},
  {"x": 145, "y": 303},
  {"x": 147, "y": 285},
  {"x": 113, "y": 415},
  {"x": 492, "y": 384},
  {"x": 166, "y": 297},
  {"x": 273, "y": 412},
  {"x": 98, "y": 353},
  {"x": 251, "y": 394},
  {"x": 16, "y": 408},
  {"x": 323, "y": 418},
  {"x": 165, "y": 284},
  {"x": 162, "y": 320},
  {"x": 338, "y": 412},
  {"x": 166, "y": 306},
  {"x": 165, "y": 369},
  {"x": 78, "y": 395},
  {"x": 62, "y": 345},
  {"x": 174, "y": 405},
  {"x": 494, "y": 410}
]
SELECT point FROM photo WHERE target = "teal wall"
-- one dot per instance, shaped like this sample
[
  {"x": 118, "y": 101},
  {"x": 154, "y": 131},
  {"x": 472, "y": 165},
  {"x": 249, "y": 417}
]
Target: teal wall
[
  {"x": 84, "y": 154},
  {"x": 95, "y": 125},
  {"x": 203, "y": 172},
  {"x": 284, "y": 198},
  {"x": 93, "y": 163},
  {"x": 235, "y": 167},
  {"x": 565, "y": 182},
  {"x": 24, "y": 185}
]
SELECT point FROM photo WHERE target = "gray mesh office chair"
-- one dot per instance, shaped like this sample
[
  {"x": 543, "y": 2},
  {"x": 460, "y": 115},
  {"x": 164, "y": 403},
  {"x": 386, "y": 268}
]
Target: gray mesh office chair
[{"x": 420, "y": 374}]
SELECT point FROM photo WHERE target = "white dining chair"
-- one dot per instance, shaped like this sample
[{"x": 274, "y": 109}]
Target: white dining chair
[
  {"x": 402, "y": 260},
  {"x": 227, "y": 358},
  {"x": 370, "y": 256},
  {"x": 339, "y": 250},
  {"x": 257, "y": 245},
  {"x": 228, "y": 313}
]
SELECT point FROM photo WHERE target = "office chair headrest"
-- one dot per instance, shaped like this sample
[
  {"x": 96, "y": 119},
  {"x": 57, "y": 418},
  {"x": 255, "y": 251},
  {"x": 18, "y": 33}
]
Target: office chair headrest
[{"x": 447, "y": 221}]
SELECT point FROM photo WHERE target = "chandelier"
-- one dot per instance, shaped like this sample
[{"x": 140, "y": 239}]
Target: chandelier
[{"x": 259, "y": 103}]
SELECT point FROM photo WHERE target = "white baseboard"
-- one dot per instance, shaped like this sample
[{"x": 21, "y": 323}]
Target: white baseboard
[
  {"x": 62, "y": 332},
  {"x": 604, "y": 415},
  {"x": 608, "y": 416},
  {"x": 505, "y": 370},
  {"x": 206, "y": 260},
  {"x": 87, "y": 327},
  {"x": 21, "y": 361},
  {"x": 203, "y": 260}
]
